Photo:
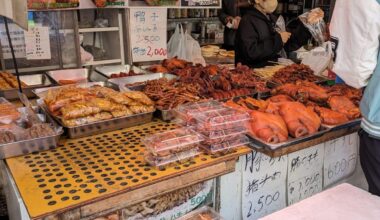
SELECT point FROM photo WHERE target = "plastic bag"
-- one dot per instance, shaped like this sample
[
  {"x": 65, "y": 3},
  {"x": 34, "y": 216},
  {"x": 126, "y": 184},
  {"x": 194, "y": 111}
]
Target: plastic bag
[
  {"x": 183, "y": 46},
  {"x": 281, "y": 27},
  {"x": 176, "y": 43},
  {"x": 313, "y": 21}
]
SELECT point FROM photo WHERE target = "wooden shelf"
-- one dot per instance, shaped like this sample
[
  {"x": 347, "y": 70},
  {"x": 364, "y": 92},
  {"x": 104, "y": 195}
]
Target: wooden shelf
[{"x": 92, "y": 30}]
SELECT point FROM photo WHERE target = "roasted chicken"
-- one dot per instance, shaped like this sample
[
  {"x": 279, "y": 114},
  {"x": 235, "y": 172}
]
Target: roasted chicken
[
  {"x": 344, "y": 105},
  {"x": 268, "y": 127},
  {"x": 330, "y": 117},
  {"x": 303, "y": 91}
]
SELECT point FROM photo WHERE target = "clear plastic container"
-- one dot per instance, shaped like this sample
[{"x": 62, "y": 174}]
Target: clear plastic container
[
  {"x": 203, "y": 213},
  {"x": 238, "y": 141},
  {"x": 221, "y": 119},
  {"x": 172, "y": 142},
  {"x": 161, "y": 161},
  {"x": 8, "y": 112},
  {"x": 184, "y": 112}
]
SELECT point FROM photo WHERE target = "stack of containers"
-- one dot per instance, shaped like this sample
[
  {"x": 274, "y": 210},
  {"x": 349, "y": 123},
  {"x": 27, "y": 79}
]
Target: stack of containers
[
  {"x": 223, "y": 128},
  {"x": 171, "y": 146}
]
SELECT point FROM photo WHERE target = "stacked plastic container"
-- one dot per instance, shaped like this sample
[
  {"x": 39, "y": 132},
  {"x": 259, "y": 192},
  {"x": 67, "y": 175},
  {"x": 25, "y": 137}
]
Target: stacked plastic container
[
  {"x": 223, "y": 128},
  {"x": 171, "y": 146}
]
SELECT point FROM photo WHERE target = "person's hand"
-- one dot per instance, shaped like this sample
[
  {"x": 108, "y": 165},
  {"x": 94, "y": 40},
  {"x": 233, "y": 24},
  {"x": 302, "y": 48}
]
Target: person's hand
[
  {"x": 236, "y": 22},
  {"x": 229, "y": 19},
  {"x": 285, "y": 36}
]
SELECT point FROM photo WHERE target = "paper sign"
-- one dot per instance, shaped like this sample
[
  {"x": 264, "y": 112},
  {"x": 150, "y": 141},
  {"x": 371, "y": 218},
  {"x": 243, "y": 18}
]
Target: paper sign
[
  {"x": 148, "y": 29},
  {"x": 200, "y": 3},
  {"x": 17, "y": 38},
  {"x": 264, "y": 185},
  {"x": 340, "y": 158},
  {"x": 305, "y": 173},
  {"x": 37, "y": 43}
]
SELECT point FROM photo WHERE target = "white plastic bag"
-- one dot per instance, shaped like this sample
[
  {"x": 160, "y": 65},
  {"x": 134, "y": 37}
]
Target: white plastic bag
[
  {"x": 176, "y": 43},
  {"x": 281, "y": 27},
  {"x": 183, "y": 46}
]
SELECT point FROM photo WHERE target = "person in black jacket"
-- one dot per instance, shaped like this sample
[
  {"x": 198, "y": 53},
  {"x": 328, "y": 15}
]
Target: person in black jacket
[
  {"x": 257, "y": 41},
  {"x": 230, "y": 17}
]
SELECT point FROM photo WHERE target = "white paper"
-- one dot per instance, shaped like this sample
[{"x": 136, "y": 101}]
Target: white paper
[
  {"x": 17, "y": 38},
  {"x": 16, "y": 10},
  {"x": 340, "y": 158},
  {"x": 148, "y": 29},
  {"x": 37, "y": 43},
  {"x": 264, "y": 185},
  {"x": 305, "y": 170}
]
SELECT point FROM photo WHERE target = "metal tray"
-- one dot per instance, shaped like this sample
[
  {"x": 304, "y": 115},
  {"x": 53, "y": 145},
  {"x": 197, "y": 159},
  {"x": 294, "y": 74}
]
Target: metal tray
[
  {"x": 106, "y": 71},
  {"x": 321, "y": 80},
  {"x": 83, "y": 74},
  {"x": 345, "y": 125},
  {"x": 34, "y": 81},
  {"x": 41, "y": 92},
  {"x": 102, "y": 126},
  {"x": 33, "y": 145},
  {"x": 165, "y": 115},
  {"x": 121, "y": 82},
  {"x": 255, "y": 142}
]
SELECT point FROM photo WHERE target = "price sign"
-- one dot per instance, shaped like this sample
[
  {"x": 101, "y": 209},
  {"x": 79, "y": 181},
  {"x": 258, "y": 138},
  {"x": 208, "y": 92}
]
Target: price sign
[
  {"x": 18, "y": 41},
  {"x": 305, "y": 173},
  {"x": 148, "y": 34},
  {"x": 201, "y": 3},
  {"x": 37, "y": 43},
  {"x": 340, "y": 158},
  {"x": 264, "y": 185}
]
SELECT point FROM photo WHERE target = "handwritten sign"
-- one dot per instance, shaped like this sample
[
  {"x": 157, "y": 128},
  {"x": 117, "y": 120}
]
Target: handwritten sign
[
  {"x": 37, "y": 43},
  {"x": 340, "y": 158},
  {"x": 264, "y": 185},
  {"x": 305, "y": 170},
  {"x": 18, "y": 41},
  {"x": 148, "y": 34}
]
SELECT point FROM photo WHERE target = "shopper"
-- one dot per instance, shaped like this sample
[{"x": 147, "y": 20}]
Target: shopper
[
  {"x": 355, "y": 33},
  {"x": 230, "y": 17},
  {"x": 257, "y": 41}
]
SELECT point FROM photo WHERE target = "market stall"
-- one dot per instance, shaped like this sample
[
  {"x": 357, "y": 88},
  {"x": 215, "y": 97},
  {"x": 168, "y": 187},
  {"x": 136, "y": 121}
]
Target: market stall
[{"x": 146, "y": 141}]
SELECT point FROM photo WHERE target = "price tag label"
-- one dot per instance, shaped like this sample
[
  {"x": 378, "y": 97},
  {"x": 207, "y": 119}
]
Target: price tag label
[
  {"x": 148, "y": 34},
  {"x": 37, "y": 43}
]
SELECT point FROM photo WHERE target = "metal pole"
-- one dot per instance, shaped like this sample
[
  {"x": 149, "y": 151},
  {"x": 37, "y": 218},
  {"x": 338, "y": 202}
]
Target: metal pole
[{"x": 13, "y": 54}]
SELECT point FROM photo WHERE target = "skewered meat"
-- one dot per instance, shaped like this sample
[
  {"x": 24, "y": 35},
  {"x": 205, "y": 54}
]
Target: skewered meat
[
  {"x": 293, "y": 73},
  {"x": 344, "y": 105},
  {"x": 268, "y": 127},
  {"x": 330, "y": 117},
  {"x": 299, "y": 119}
]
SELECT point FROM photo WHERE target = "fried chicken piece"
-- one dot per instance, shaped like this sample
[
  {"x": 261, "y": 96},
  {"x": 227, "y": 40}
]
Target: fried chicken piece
[
  {"x": 106, "y": 105},
  {"x": 124, "y": 112},
  {"x": 141, "y": 109},
  {"x": 111, "y": 95},
  {"x": 89, "y": 119},
  {"x": 344, "y": 105},
  {"x": 139, "y": 97},
  {"x": 330, "y": 117},
  {"x": 79, "y": 109},
  {"x": 268, "y": 127}
]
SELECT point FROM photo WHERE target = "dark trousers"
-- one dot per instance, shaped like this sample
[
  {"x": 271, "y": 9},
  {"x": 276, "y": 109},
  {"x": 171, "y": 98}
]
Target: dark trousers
[{"x": 370, "y": 161}]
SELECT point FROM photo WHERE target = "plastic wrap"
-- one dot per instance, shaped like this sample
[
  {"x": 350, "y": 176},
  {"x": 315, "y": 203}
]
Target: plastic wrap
[
  {"x": 313, "y": 21},
  {"x": 173, "y": 142},
  {"x": 159, "y": 161},
  {"x": 219, "y": 136},
  {"x": 237, "y": 141},
  {"x": 184, "y": 113},
  {"x": 8, "y": 112}
]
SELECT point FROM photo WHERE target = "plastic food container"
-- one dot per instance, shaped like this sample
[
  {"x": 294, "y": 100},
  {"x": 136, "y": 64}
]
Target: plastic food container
[
  {"x": 184, "y": 113},
  {"x": 203, "y": 213},
  {"x": 238, "y": 141},
  {"x": 173, "y": 142},
  {"x": 8, "y": 112},
  {"x": 218, "y": 136},
  {"x": 161, "y": 161},
  {"x": 220, "y": 119}
]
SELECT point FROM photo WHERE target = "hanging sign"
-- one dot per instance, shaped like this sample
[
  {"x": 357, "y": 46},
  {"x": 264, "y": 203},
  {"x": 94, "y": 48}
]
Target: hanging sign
[
  {"x": 148, "y": 27},
  {"x": 264, "y": 185},
  {"x": 37, "y": 43}
]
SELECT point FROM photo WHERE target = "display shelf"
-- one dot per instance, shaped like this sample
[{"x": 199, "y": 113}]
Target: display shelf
[
  {"x": 94, "y": 174},
  {"x": 204, "y": 42},
  {"x": 193, "y": 19},
  {"x": 102, "y": 62},
  {"x": 93, "y": 30}
]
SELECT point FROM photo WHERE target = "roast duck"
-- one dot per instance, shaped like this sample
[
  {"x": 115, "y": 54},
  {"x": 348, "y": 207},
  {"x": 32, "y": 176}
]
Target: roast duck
[{"x": 297, "y": 110}]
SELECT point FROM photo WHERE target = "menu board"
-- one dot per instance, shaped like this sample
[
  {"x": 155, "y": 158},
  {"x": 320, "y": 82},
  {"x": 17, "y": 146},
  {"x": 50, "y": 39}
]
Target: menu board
[
  {"x": 17, "y": 38},
  {"x": 148, "y": 28},
  {"x": 305, "y": 173},
  {"x": 37, "y": 43},
  {"x": 264, "y": 185}
]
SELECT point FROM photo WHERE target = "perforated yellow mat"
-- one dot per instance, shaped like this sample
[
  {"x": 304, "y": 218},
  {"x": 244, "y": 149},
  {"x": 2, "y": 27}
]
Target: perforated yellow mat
[{"x": 84, "y": 169}]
